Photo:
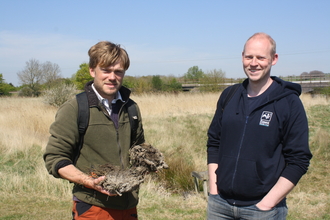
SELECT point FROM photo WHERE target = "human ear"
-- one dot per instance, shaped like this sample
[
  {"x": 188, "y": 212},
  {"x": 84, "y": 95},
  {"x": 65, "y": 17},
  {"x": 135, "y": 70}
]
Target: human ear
[
  {"x": 275, "y": 59},
  {"x": 92, "y": 72}
]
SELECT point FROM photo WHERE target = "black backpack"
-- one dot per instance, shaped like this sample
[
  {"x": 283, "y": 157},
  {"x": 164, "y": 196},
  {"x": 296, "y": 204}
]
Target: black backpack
[{"x": 83, "y": 119}]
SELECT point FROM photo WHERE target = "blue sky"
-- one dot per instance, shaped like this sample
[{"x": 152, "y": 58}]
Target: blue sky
[{"x": 164, "y": 37}]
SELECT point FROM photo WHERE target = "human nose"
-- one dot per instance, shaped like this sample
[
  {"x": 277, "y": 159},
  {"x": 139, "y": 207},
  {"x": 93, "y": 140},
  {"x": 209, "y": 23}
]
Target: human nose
[
  {"x": 112, "y": 76},
  {"x": 254, "y": 62}
]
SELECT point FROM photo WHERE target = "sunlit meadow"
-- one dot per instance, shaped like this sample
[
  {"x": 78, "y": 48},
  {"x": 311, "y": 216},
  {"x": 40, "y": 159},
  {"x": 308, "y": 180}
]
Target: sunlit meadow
[{"x": 174, "y": 123}]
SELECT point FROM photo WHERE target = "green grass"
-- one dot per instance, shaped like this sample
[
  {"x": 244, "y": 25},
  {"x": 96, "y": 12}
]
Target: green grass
[
  {"x": 311, "y": 197},
  {"x": 28, "y": 206},
  {"x": 28, "y": 192}
]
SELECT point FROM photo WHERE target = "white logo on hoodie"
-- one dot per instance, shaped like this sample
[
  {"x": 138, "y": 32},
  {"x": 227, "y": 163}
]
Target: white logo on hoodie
[{"x": 265, "y": 118}]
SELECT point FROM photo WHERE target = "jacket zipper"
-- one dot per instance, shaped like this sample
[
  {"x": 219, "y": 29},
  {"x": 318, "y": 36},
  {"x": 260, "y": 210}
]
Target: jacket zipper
[
  {"x": 105, "y": 112},
  {"x": 118, "y": 143},
  {"x": 239, "y": 152}
]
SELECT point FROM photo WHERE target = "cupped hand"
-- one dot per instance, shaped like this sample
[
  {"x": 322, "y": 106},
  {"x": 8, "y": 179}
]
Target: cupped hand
[{"x": 94, "y": 183}]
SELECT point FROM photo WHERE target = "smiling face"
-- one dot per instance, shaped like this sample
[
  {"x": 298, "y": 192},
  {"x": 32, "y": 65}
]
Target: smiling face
[
  {"x": 107, "y": 65},
  {"x": 258, "y": 59},
  {"x": 108, "y": 80}
]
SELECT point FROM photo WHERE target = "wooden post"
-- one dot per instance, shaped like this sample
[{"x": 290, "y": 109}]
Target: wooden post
[{"x": 202, "y": 176}]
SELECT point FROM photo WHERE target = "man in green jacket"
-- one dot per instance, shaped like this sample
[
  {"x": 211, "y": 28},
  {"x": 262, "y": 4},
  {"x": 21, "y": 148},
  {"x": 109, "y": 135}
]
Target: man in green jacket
[{"x": 107, "y": 139}]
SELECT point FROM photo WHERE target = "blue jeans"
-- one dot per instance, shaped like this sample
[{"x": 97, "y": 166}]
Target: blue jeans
[{"x": 219, "y": 208}]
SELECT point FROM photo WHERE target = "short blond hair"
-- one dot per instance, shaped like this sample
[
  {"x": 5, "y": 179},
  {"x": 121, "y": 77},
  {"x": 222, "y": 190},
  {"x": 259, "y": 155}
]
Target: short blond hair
[
  {"x": 106, "y": 53},
  {"x": 268, "y": 37}
]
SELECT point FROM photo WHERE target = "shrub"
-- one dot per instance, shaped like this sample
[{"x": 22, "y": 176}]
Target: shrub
[
  {"x": 26, "y": 91},
  {"x": 178, "y": 177},
  {"x": 322, "y": 90},
  {"x": 59, "y": 94}
]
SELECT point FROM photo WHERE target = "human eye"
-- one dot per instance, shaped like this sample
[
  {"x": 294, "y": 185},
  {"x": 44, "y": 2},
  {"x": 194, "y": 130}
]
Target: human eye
[
  {"x": 119, "y": 72},
  {"x": 105, "y": 70},
  {"x": 261, "y": 58}
]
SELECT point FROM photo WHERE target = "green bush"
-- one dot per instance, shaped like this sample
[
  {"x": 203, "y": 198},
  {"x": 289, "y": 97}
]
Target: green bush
[
  {"x": 322, "y": 90},
  {"x": 26, "y": 91},
  {"x": 178, "y": 177}
]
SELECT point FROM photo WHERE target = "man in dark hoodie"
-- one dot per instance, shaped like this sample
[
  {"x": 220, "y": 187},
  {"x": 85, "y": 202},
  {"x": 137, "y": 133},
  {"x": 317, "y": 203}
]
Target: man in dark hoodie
[{"x": 258, "y": 143}]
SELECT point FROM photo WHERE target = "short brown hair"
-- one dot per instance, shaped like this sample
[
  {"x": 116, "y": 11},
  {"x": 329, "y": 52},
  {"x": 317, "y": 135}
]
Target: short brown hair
[{"x": 106, "y": 53}]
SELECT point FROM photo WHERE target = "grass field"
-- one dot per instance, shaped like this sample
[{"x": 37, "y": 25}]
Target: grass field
[{"x": 175, "y": 124}]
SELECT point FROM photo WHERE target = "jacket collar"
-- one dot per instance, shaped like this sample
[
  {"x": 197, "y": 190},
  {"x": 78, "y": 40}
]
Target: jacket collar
[{"x": 92, "y": 97}]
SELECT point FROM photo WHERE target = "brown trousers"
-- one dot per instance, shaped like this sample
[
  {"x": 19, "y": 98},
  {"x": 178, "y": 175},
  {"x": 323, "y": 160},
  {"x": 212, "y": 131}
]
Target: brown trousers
[{"x": 84, "y": 211}]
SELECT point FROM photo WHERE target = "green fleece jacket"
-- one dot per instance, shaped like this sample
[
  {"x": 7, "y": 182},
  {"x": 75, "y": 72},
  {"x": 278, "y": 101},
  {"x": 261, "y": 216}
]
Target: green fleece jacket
[{"x": 103, "y": 144}]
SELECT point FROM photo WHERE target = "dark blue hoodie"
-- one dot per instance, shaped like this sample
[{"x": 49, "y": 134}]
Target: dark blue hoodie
[{"x": 254, "y": 147}]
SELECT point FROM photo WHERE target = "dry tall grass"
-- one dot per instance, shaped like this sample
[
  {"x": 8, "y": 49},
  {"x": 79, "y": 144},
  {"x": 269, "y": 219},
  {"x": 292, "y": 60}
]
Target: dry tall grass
[
  {"x": 311, "y": 198},
  {"x": 177, "y": 125},
  {"x": 25, "y": 121},
  {"x": 164, "y": 105},
  {"x": 23, "y": 132}
]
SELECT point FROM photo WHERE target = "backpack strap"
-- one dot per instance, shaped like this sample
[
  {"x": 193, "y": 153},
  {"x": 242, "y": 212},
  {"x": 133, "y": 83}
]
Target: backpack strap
[
  {"x": 82, "y": 121},
  {"x": 230, "y": 94},
  {"x": 133, "y": 119}
]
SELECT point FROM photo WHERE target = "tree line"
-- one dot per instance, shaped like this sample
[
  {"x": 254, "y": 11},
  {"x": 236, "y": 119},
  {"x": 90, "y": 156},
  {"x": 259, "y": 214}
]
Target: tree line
[
  {"x": 158, "y": 83},
  {"x": 37, "y": 77},
  {"x": 45, "y": 79},
  {"x": 5, "y": 88}
]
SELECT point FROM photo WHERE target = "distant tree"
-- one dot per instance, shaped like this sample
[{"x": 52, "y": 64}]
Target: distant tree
[
  {"x": 316, "y": 73},
  {"x": 129, "y": 82},
  {"x": 82, "y": 76},
  {"x": 31, "y": 76},
  {"x": 213, "y": 80},
  {"x": 152, "y": 83},
  {"x": 1, "y": 79},
  {"x": 36, "y": 76},
  {"x": 173, "y": 85},
  {"x": 157, "y": 83},
  {"x": 66, "y": 81},
  {"x": 194, "y": 74},
  {"x": 51, "y": 73},
  {"x": 216, "y": 76},
  {"x": 312, "y": 74},
  {"x": 4, "y": 87},
  {"x": 304, "y": 75},
  {"x": 143, "y": 84}
]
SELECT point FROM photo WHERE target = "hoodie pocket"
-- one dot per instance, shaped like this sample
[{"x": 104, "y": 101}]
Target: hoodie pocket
[
  {"x": 246, "y": 182},
  {"x": 239, "y": 178},
  {"x": 225, "y": 174}
]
